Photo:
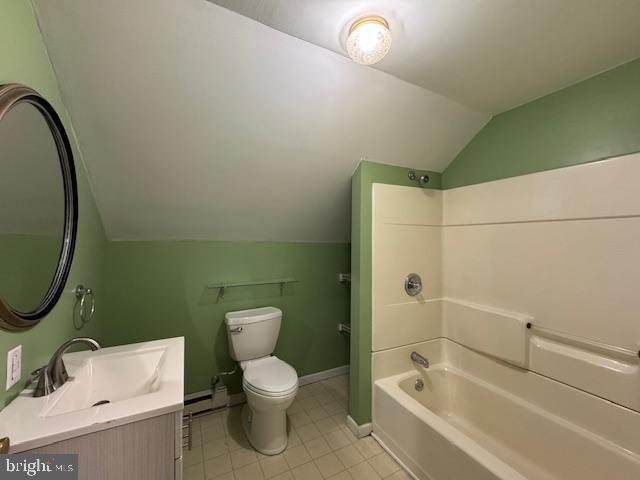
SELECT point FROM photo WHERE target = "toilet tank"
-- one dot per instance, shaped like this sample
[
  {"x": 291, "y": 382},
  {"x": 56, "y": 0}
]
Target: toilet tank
[{"x": 253, "y": 333}]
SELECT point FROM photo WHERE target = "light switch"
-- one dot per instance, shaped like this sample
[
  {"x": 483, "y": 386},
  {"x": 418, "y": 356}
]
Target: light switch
[{"x": 14, "y": 366}]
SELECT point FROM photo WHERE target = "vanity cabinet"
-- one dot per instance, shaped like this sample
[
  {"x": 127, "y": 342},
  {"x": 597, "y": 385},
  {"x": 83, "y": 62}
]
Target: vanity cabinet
[
  {"x": 148, "y": 449},
  {"x": 120, "y": 411}
]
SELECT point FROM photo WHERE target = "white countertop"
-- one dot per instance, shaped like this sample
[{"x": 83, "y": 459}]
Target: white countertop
[{"x": 34, "y": 422}]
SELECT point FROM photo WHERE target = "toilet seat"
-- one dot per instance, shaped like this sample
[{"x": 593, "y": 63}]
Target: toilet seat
[{"x": 270, "y": 377}]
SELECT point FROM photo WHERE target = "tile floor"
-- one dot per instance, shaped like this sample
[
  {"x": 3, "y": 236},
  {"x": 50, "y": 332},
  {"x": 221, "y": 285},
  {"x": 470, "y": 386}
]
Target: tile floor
[{"x": 320, "y": 444}]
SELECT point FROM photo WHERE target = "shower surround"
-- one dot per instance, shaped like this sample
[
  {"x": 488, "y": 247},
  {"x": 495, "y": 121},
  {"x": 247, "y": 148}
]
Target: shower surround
[{"x": 527, "y": 310}]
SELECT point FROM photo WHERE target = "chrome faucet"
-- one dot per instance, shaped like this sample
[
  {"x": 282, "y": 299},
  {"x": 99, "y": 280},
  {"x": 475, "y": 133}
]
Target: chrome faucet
[
  {"x": 419, "y": 359},
  {"x": 53, "y": 375}
]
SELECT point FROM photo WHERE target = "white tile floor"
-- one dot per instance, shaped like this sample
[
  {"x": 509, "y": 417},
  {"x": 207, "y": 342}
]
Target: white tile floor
[{"x": 320, "y": 444}]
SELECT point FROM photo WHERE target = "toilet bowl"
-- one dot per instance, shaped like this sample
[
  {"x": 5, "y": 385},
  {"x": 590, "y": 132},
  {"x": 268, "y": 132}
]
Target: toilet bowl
[{"x": 270, "y": 384}]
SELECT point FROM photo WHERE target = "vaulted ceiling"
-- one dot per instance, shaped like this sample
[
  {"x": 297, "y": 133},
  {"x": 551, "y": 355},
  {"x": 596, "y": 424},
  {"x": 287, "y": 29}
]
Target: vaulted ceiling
[
  {"x": 491, "y": 55},
  {"x": 197, "y": 122}
]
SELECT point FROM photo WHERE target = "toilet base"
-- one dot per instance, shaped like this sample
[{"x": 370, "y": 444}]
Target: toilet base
[{"x": 266, "y": 431}]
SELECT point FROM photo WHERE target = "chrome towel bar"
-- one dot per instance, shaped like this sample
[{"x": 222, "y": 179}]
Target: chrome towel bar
[{"x": 278, "y": 281}]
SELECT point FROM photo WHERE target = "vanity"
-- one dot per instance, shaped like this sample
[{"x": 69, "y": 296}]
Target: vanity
[
  {"x": 118, "y": 408},
  {"x": 120, "y": 411}
]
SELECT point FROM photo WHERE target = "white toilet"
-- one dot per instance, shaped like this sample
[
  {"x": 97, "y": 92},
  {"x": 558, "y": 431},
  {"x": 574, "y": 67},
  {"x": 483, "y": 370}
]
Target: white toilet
[{"x": 269, "y": 384}]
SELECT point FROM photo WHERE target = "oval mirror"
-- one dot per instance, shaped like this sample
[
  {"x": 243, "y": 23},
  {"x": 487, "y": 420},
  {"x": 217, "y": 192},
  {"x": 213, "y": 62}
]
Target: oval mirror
[{"x": 38, "y": 207}]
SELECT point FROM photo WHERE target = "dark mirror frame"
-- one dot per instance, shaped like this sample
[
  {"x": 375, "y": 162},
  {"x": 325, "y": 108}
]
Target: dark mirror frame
[{"x": 10, "y": 96}]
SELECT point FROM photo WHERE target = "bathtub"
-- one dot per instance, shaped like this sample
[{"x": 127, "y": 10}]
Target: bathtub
[{"x": 461, "y": 427}]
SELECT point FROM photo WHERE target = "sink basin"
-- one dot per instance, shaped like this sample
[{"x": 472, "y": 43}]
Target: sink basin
[
  {"x": 107, "y": 388},
  {"x": 108, "y": 378}
]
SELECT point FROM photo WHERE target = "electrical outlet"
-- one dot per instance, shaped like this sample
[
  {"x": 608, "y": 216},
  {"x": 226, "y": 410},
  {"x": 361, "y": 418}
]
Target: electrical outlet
[{"x": 14, "y": 366}]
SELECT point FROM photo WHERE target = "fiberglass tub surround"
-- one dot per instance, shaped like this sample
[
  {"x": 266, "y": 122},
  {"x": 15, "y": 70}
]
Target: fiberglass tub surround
[
  {"x": 479, "y": 418},
  {"x": 526, "y": 378}
]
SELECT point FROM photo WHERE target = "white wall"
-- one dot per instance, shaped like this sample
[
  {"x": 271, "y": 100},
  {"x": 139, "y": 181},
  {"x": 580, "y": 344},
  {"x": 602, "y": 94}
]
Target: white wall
[{"x": 559, "y": 249}]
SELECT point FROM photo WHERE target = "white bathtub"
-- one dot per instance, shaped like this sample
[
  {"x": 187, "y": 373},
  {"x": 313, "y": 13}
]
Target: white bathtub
[{"x": 464, "y": 428}]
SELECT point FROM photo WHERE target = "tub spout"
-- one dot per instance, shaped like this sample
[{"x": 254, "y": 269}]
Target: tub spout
[{"x": 419, "y": 359}]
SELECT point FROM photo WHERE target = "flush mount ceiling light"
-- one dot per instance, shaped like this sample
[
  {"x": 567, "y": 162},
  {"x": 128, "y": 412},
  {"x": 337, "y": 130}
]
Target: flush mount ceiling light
[{"x": 369, "y": 40}]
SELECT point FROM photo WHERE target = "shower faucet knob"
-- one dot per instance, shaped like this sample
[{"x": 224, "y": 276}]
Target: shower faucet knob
[{"x": 413, "y": 284}]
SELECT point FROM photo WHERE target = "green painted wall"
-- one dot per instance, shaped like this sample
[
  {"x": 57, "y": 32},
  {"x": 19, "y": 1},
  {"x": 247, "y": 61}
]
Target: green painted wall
[
  {"x": 23, "y": 59},
  {"x": 156, "y": 290},
  {"x": 364, "y": 177},
  {"x": 591, "y": 120}
]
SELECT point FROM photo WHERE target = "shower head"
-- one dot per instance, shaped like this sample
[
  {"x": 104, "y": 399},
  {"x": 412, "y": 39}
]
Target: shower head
[{"x": 423, "y": 179}]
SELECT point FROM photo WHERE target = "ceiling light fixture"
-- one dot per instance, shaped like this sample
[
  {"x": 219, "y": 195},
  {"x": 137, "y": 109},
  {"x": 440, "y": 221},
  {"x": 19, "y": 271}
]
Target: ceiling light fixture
[{"x": 369, "y": 40}]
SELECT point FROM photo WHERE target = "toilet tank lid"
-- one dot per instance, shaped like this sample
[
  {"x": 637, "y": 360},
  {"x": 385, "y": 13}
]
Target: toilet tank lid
[{"x": 254, "y": 315}]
